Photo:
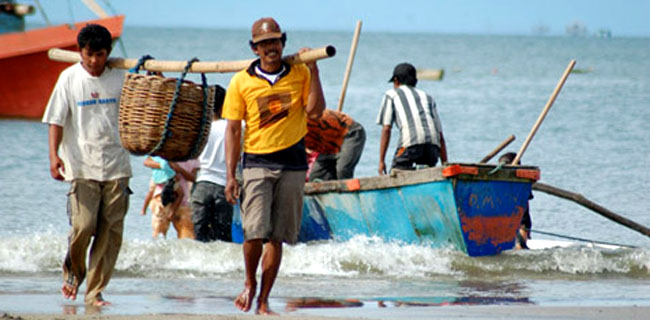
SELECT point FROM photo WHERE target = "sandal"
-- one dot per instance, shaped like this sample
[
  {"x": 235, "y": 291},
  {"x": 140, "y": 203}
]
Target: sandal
[{"x": 69, "y": 288}]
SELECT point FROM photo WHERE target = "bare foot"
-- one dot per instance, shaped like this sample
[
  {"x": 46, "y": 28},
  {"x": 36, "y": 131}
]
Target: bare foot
[
  {"x": 244, "y": 301},
  {"x": 69, "y": 289},
  {"x": 100, "y": 302},
  {"x": 264, "y": 310}
]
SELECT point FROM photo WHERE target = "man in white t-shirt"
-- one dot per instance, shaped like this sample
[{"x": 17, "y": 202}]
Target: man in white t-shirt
[
  {"x": 211, "y": 213},
  {"x": 85, "y": 150}
]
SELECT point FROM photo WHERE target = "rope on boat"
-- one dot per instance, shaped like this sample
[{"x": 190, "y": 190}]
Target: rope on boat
[
  {"x": 582, "y": 239},
  {"x": 496, "y": 169}
]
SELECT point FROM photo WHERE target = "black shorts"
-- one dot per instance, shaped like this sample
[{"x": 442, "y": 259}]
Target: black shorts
[{"x": 421, "y": 154}]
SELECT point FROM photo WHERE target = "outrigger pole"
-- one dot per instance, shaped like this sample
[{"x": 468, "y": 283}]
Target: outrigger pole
[{"x": 580, "y": 199}]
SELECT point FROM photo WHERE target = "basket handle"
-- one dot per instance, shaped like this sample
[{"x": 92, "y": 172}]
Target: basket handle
[
  {"x": 204, "y": 116},
  {"x": 140, "y": 63}
]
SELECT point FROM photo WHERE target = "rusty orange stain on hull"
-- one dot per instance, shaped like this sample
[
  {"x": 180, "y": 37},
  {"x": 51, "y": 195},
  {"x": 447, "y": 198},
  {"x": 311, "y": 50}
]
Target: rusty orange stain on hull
[{"x": 496, "y": 230}]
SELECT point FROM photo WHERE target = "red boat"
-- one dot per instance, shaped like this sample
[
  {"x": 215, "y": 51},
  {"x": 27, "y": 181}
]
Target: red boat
[{"x": 27, "y": 75}]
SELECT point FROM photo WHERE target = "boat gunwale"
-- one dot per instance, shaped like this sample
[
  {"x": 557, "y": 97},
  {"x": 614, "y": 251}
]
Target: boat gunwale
[{"x": 399, "y": 178}]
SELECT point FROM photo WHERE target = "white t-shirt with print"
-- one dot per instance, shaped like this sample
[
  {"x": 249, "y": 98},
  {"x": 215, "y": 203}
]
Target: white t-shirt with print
[{"x": 87, "y": 108}]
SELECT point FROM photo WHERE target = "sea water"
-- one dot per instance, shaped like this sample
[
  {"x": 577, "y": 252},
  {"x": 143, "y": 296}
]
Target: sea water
[{"x": 594, "y": 141}]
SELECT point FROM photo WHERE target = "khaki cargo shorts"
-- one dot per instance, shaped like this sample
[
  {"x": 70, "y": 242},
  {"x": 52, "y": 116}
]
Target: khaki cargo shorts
[{"x": 272, "y": 204}]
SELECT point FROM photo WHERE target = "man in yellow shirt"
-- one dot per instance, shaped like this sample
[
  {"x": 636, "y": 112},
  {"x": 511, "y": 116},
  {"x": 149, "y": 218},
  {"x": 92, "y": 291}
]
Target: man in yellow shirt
[{"x": 274, "y": 99}]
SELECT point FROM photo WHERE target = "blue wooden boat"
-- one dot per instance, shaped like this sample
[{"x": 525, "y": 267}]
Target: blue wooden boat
[{"x": 474, "y": 208}]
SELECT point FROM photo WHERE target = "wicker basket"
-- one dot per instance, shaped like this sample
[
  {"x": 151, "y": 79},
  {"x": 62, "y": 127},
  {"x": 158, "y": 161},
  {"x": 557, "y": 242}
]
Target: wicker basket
[{"x": 152, "y": 123}]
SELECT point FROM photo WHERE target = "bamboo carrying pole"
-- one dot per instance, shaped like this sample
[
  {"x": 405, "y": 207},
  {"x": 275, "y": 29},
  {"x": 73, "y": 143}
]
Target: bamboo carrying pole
[
  {"x": 545, "y": 111},
  {"x": 580, "y": 199},
  {"x": 498, "y": 149},
  {"x": 197, "y": 67},
  {"x": 348, "y": 68}
]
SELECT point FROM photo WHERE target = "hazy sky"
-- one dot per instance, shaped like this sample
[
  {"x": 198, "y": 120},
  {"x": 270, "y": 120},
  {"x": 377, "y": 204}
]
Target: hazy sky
[{"x": 622, "y": 17}]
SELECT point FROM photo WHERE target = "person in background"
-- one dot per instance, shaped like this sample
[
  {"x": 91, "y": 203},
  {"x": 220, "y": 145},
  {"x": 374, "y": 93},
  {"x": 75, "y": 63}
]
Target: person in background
[
  {"x": 85, "y": 150},
  {"x": 170, "y": 196},
  {"x": 338, "y": 129},
  {"x": 211, "y": 213},
  {"x": 523, "y": 232},
  {"x": 421, "y": 141},
  {"x": 274, "y": 100}
]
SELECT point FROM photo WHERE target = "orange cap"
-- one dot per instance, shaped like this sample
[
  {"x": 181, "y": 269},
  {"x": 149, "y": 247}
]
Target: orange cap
[{"x": 264, "y": 29}]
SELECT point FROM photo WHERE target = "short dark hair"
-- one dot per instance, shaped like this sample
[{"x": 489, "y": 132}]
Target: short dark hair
[
  {"x": 508, "y": 158},
  {"x": 405, "y": 73},
  {"x": 95, "y": 37},
  {"x": 219, "y": 97}
]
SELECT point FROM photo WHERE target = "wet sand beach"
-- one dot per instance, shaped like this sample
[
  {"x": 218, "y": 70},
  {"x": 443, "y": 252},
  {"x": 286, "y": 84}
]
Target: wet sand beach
[
  {"x": 452, "y": 312},
  {"x": 148, "y": 307}
]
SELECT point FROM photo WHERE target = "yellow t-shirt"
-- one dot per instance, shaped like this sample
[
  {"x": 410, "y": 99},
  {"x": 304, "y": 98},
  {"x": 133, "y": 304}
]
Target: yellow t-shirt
[{"x": 275, "y": 114}]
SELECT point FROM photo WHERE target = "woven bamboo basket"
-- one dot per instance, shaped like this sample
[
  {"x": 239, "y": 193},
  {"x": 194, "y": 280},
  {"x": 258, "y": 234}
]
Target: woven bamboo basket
[{"x": 151, "y": 123}]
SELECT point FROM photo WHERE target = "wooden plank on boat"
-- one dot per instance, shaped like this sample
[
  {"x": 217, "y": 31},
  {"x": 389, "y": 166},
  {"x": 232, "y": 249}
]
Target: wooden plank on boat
[{"x": 399, "y": 178}]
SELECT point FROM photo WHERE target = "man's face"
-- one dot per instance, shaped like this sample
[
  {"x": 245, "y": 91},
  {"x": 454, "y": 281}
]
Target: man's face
[
  {"x": 270, "y": 51},
  {"x": 94, "y": 61}
]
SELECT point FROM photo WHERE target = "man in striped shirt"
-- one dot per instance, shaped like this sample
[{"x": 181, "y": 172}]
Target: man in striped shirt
[{"x": 414, "y": 112}]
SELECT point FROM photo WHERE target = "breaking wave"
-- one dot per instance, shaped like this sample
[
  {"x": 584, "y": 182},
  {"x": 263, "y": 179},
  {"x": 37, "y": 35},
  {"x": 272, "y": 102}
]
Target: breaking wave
[{"x": 360, "y": 257}]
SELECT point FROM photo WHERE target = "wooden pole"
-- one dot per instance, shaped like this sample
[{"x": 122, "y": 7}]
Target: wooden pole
[
  {"x": 545, "y": 111},
  {"x": 95, "y": 8},
  {"x": 197, "y": 67},
  {"x": 498, "y": 149},
  {"x": 578, "y": 198},
  {"x": 348, "y": 68}
]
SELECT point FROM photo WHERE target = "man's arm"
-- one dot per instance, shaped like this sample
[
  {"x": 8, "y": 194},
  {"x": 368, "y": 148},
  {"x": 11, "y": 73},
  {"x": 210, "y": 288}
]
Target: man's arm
[
  {"x": 443, "y": 149},
  {"x": 55, "y": 135},
  {"x": 316, "y": 101},
  {"x": 151, "y": 163},
  {"x": 188, "y": 175},
  {"x": 233, "y": 147},
  {"x": 383, "y": 146}
]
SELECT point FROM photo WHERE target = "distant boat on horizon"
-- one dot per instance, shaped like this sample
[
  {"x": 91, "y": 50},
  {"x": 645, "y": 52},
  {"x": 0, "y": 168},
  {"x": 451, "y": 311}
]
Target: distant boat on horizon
[
  {"x": 576, "y": 29},
  {"x": 28, "y": 75},
  {"x": 604, "y": 33},
  {"x": 541, "y": 30}
]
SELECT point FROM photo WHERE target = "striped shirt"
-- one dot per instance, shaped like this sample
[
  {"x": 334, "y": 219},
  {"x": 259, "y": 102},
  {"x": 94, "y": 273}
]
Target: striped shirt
[{"x": 414, "y": 113}]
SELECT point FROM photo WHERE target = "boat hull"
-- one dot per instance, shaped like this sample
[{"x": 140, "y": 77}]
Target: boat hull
[
  {"x": 28, "y": 75},
  {"x": 471, "y": 209}
]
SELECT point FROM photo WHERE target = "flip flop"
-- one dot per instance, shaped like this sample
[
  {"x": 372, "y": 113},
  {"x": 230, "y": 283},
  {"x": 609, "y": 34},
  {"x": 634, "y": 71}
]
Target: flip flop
[{"x": 69, "y": 288}]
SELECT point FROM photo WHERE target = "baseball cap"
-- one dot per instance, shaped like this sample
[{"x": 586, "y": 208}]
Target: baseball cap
[
  {"x": 264, "y": 29},
  {"x": 404, "y": 72}
]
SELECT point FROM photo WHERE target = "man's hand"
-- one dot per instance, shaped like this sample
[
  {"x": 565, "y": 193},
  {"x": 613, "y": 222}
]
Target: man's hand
[
  {"x": 313, "y": 67},
  {"x": 383, "y": 146},
  {"x": 56, "y": 167},
  {"x": 54, "y": 137},
  {"x": 232, "y": 191},
  {"x": 382, "y": 168}
]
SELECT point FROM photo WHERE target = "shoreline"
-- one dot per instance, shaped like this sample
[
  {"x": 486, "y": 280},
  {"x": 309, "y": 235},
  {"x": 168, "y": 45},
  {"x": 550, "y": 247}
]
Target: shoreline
[{"x": 449, "y": 312}]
